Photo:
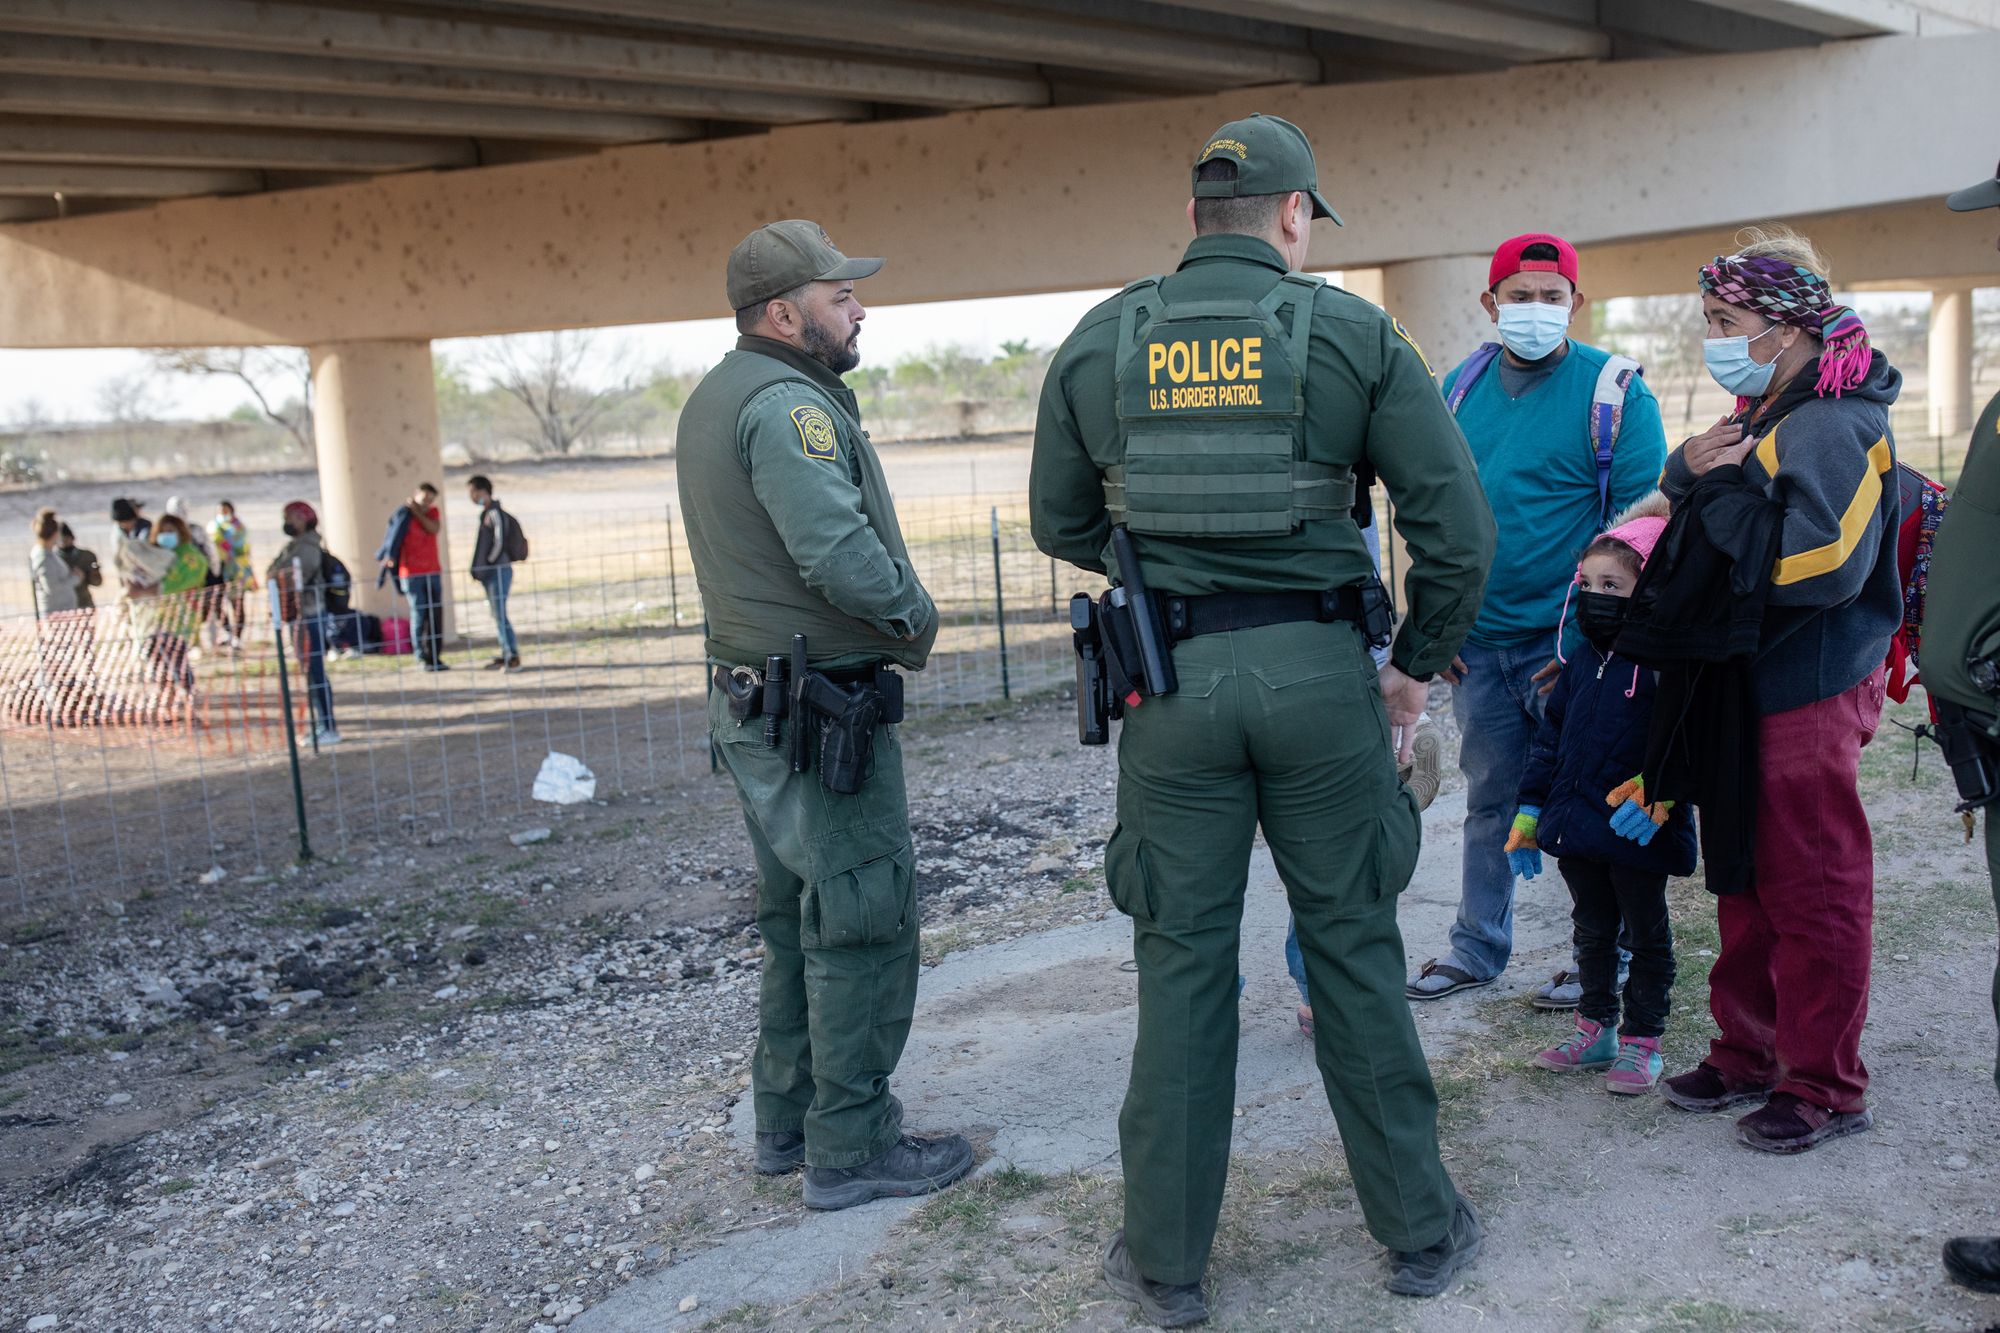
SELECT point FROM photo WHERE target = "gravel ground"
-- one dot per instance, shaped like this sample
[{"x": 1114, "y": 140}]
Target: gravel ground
[{"x": 468, "y": 1085}]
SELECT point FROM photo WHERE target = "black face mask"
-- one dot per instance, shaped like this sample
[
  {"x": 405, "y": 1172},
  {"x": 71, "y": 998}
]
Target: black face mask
[
  {"x": 291, "y": 529},
  {"x": 1600, "y": 615}
]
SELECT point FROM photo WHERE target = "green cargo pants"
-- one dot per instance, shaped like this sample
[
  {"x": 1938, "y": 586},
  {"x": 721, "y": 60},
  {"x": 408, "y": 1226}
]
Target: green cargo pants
[
  {"x": 1281, "y": 726},
  {"x": 837, "y": 907},
  {"x": 1993, "y": 873}
]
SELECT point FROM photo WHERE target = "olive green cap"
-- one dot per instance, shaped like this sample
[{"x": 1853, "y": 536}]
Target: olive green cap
[
  {"x": 782, "y": 255},
  {"x": 1986, "y": 194},
  {"x": 1272, "y": 156}
]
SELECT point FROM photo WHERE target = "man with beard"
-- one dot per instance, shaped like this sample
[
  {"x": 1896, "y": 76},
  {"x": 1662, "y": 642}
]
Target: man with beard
[{"x": 794, "y": 539}]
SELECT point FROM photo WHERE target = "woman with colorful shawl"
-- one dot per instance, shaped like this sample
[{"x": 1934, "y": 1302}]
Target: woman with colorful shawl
[{"x": 1789, "y": 989}]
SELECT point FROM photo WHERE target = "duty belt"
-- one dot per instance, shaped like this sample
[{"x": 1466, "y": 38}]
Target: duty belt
[
  {"x": 1215, "y": 613},
  {"x": 754, "y": 677}
]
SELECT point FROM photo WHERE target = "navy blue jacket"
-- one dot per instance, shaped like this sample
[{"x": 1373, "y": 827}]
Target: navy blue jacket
[
  {"x": 392, "y": 545},
  {"x": 1592, "y": 739}
]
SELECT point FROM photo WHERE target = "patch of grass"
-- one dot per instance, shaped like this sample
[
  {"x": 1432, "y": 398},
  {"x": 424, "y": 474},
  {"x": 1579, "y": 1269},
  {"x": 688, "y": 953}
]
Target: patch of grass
[
  {"x": 1078, "y": 884},
  {"x": 944, "y": 940},
  {"x": 976, "y": 1204},
  {"x": 493, "y": 909},
  {"x": 177, "y": 1185},
  {"x": 1741, "y": 1236}
]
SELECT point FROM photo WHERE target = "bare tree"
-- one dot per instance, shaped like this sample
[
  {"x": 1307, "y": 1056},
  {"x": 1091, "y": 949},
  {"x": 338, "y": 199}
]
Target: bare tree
[
  {"x": 126, "y": 401},
  {"x": 546, "y": 373},
  {"x": 1664, "y": 334},
  {"x": 279, "y": 378}
]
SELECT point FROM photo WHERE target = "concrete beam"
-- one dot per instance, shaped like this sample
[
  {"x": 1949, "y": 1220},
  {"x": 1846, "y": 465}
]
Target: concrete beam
[
  {"x": 1908, "y": 246},
  {"x": 1833, "y": 18},
  {"x": 1076, "y": 39},
  {"x": 151, "y": 62},
  {"x": 34, "y": 180},
  {"x": 637, "y": 235},
  {"x": 1443, "y": 24},
  {"x": 22, "y": 210},
  {"x": 171, "y": 146},
  {"x": 126, "y": 100},
  {"x": 494, "y": 43}
]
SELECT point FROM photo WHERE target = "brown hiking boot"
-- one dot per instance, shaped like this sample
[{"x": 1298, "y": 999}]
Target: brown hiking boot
[
  {"x": 1704, "y": 1089},
  {"x": 1165, "y": 1304}
]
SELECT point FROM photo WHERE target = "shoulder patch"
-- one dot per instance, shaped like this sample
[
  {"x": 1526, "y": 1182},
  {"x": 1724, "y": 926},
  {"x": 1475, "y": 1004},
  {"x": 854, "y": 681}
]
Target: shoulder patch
[
  {"x": 816, "y": 433},
  {"x": 1404, "y": 334}
]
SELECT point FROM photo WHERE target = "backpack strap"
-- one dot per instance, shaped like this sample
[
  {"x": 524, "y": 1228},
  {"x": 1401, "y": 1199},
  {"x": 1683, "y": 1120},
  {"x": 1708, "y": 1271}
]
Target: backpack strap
[
  {"x": 1469, "y": 371},
  {"x": 1607, "y": 413},
  {"x": 1142, "y": 296},
  {"x": 1299, "y": 291}
]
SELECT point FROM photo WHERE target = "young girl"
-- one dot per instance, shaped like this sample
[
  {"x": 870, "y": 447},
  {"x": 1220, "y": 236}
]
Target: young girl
[{"x": 1581, "y": 802}]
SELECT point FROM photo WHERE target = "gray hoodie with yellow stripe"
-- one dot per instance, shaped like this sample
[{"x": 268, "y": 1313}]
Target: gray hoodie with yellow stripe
[{"x": 1836, "y": 595}]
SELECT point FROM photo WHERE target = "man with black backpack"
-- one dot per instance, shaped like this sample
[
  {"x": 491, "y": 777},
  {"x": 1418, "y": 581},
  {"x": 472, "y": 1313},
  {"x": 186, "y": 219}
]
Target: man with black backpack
[
  {"x": 494, "y": 551},
  {"x": 299, "y": 582}
]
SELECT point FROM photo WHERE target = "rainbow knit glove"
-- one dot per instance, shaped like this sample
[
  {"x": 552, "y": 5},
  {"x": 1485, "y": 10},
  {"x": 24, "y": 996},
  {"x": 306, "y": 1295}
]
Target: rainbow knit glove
[
  {"x": 1634, "y": 818},
  {"x": 1524, "y": 855}
]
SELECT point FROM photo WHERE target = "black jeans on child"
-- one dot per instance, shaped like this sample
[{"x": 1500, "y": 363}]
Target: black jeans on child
[{"x": 1607, "y": 895}]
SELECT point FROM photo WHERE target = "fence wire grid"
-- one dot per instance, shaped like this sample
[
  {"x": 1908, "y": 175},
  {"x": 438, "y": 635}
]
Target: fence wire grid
[{"x": 145, "y": 744}]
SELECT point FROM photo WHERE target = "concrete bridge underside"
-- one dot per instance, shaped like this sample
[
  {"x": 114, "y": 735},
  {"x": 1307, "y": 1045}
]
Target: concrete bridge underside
[{"x": 1649, "y": 165}]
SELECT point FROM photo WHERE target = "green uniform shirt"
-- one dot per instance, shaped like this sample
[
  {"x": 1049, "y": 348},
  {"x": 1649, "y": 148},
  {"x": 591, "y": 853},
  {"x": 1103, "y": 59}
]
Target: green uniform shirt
[
  {"x": 1961, "y": 610},
  {"x": 1369, "y": 396},
  {"x": 789, "y": 518}
]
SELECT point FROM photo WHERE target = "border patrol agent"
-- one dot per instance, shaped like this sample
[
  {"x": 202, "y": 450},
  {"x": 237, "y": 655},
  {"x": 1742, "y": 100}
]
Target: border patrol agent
[
  {"x": 1221, "y": 414},
  {"x": 792, "y": 532},
  {"x": 1961, "y": 670}
]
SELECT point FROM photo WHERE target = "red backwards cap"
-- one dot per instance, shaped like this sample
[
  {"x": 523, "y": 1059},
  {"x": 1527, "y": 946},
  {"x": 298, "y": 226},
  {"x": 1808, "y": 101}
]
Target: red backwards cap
[{"x": 1507, "y": 259}]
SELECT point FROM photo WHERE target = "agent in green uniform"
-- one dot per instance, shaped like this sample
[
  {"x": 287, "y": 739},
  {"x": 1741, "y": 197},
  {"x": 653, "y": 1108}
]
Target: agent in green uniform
[
  {"x": 1961, "y": 666},
  {"x": 1221, "y": 414},
  {"x": 792, "y": 532}
]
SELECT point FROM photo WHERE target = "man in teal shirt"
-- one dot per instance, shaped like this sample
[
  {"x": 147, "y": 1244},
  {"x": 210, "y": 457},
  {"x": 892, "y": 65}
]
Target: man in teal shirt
[{"x": 1526, "y": 410}]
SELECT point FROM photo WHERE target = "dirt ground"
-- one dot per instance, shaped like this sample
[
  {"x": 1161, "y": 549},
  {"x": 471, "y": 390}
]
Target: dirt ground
[{"x": 473, "y": 1085}]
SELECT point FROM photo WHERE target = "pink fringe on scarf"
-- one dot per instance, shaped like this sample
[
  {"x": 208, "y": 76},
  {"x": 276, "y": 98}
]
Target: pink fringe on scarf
[{"x": 1844, "y": 355}]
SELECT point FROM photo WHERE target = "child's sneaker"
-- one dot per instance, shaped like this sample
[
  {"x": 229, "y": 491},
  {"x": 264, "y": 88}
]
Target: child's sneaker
[
  {"x": 1637, "y": 1067},
  {"x": 1591, "y": 1046}
]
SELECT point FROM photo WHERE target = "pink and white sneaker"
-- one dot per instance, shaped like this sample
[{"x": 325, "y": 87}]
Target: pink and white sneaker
[{"x": 1637, "y": 1068}]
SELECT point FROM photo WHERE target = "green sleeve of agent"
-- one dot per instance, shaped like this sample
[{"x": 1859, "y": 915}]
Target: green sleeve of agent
[
  {"x": 815, "y": 503},
  {"x": 1422, "y": 459},
  {"x": 1065, "y": 488}
]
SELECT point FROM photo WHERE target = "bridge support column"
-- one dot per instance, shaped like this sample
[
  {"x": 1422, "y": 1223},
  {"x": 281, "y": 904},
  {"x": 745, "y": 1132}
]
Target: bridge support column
[
  {"x": 375, "y": 418},
  {"x": 1951, "y": 361}
]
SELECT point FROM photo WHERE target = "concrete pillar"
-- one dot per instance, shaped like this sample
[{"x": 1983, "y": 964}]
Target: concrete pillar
[
  {"x": 375, "y": 428},
  {"x": 1365, "y": 283},
  {"x": 1437, "y": 300},
  {"x": 1951, "y": 361}
]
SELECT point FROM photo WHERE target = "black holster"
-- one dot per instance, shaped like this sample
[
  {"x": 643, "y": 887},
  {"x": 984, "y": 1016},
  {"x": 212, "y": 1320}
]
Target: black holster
[
  {"x": 842, "y": 717},
  {"x": 1971, "y": 744}
]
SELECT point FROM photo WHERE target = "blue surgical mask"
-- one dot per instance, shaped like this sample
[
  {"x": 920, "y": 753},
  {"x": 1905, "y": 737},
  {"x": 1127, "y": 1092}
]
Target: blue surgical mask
[
  {"x": 1533, "y": 329},
  {"x": 1730, "y": 364},
  {"x": 169, "y": 540}
]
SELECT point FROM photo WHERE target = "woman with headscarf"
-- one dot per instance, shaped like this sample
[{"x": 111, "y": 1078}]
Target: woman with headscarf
[{"x": 1789, "y": 989}]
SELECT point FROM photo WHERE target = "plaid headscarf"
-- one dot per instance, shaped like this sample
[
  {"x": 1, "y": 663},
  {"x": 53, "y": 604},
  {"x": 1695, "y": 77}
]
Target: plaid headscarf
[{"x": 1780, "y": 290}]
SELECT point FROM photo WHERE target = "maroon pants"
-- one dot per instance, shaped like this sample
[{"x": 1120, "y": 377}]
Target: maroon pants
[{"x": 1790, "y": 987}]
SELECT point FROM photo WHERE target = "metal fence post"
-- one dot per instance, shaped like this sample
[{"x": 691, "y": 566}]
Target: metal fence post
[
  {"x": 291, "y": 728},
  {"x": 1000, "y": 606},
  {"x": 673, "y": 574}
]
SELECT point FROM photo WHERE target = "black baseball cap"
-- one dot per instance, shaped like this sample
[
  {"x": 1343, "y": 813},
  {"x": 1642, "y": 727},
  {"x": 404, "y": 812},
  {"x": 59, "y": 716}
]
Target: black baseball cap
[
  {"x": 1986, "y": 194},
  {"x": 124, "y": 510},
  {"x": 1272, "y": 156},
  {"x": 782, "y": 255}
]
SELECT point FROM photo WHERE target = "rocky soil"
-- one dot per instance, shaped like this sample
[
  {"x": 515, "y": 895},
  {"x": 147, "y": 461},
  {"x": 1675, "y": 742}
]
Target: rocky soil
[{"x": 466, "y": 1085}]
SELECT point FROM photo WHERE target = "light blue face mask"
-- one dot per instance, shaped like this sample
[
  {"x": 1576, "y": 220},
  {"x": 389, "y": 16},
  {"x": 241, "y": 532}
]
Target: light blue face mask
[
  {"x": 169, "y": 540},
  {"x": 1533, "y": 329},
  {"x": 1730, "y": 364}
]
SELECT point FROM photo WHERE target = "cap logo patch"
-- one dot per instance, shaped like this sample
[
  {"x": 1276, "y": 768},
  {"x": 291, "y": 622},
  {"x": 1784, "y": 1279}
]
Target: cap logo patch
[
  {"x": 1235, "y": 146},
  {"x": 816, "y": 433}
]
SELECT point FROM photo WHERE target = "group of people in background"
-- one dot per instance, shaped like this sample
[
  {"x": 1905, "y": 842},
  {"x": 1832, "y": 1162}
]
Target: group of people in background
[{"x": 174, "y": 578}]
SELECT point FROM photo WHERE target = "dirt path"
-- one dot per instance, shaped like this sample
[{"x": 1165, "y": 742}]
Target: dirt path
[{"x": 488, "y": 1087}]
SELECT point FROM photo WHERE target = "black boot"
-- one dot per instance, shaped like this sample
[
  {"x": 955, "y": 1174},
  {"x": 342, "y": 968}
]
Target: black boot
[
  {"x": 1427, "y": 1272},
  {"x": 1166, "y": 1305},
  {"x": 1973, "y": 1261},
  {"x": 912, "y": 1165}
]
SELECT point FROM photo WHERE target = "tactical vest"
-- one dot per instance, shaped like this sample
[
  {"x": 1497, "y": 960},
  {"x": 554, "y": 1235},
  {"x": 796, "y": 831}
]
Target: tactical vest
[{"x": 1211, "y": 417}]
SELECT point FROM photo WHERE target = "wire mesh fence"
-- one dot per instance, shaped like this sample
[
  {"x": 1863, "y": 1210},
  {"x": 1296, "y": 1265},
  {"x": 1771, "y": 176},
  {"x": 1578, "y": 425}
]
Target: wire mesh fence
[{"x": 148, "y": 742}]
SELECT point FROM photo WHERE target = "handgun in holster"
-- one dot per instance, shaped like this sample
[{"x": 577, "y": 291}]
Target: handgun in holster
[
  {"x": 1378, "y": 614},
  {"x": 834, "y": 721},
  {"x": 1097, "y": 703},
  {"x": 1971, "y": 744}
]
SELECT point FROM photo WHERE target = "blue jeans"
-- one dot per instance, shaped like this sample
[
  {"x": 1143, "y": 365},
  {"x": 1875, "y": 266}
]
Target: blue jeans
[
  {"x": 1295, "y": 961},
  {"x": 313, "y": 634},
  {"x": 426, "y": 594},
  {"x": 1498, "y": 708},
  {"x": 499, "y": 581}
]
